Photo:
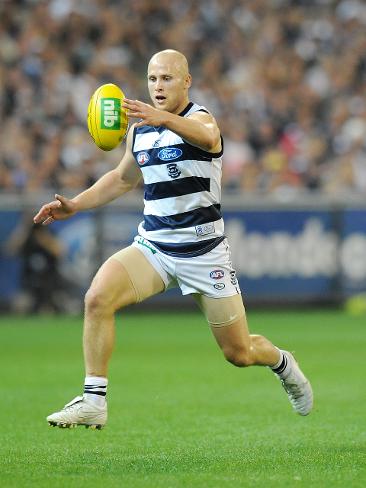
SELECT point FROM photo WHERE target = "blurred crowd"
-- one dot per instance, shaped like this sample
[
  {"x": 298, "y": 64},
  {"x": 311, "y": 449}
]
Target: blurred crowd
[{"x": 285, "y": 79}]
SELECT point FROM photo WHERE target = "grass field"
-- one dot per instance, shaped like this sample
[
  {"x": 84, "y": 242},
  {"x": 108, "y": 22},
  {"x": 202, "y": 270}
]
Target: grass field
[{"x": 179, "y": 416}]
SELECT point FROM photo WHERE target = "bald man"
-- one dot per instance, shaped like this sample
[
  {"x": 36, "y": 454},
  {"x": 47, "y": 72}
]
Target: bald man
[{"x": 176, "y": 147}]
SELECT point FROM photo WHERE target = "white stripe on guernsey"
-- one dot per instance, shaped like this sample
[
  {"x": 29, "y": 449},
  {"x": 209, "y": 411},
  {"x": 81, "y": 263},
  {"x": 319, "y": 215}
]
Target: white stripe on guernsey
[
  {"x": 186, "y": 234},
  {"x": 144, "y": 142},
  {"x": 176, "y": 205},
  {"x": 215, "y": 182},
  {"x": 159, "y": 173}
]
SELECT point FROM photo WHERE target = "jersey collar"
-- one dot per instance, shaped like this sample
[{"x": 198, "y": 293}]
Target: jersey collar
[{"x": 187, "y": 109}]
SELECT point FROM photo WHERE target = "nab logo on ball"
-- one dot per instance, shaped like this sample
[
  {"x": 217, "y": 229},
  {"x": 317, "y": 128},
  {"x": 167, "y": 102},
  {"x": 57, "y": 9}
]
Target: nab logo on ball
[
  {"x": 107, "y": 119},
  {"x": 142, "y": 158},
  {"x": 111, "y": 109}
]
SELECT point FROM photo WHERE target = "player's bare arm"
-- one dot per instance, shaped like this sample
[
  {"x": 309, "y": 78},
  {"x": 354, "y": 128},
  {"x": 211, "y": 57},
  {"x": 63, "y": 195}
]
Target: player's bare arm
[
  {"x": 109, "y": 187},
  {"x": 113, "y": 184},
  {"x": 199, "y": 129}
]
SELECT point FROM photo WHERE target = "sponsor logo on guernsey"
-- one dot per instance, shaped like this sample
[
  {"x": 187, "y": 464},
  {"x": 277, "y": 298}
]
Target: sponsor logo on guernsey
[
  {"x": 219, "y": 286},
  {"x": 217, "y": 274},
  {"x": 169, "y": 153},
  {"x": 204, "y": 229},
  {"x": 142, "y": 158},
  {"x": 111, "y": 113},
  {"x": 173, "y": 170}
]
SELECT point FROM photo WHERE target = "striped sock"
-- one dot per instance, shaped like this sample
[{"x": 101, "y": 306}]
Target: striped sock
[
  {"x": 95, "y": 389},
  {"x": 280, "y": 367}
]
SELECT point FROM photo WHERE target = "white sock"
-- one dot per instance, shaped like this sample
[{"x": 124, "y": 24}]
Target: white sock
[{"x": 95, "y": 389}]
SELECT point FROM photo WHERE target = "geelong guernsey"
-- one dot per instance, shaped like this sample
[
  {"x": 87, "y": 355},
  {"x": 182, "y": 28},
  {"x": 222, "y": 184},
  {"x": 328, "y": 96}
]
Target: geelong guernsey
[{"x": 182, "y": 191}]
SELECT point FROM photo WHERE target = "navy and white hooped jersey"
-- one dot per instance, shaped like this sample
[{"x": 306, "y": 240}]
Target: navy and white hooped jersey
[{"x": 182, "y": 185}]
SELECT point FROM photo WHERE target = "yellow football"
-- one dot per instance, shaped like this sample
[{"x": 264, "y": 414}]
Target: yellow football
[{"x": 107, "y": 120}]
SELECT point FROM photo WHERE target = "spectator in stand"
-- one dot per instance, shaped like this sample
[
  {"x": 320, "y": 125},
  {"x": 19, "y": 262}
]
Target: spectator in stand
[{"x": 289, "y": 76}]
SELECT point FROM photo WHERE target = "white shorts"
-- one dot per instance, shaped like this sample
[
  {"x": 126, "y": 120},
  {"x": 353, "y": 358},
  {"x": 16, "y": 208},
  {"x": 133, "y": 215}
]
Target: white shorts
[{"x": 209, "y": 274}]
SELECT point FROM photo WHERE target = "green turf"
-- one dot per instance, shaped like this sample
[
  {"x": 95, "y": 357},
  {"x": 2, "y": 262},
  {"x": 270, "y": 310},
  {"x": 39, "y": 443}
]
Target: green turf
[{"x": 179, "y": 415}]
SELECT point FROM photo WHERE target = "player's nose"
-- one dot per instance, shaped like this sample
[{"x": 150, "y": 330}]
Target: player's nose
[{"x": 158, "y": 85}]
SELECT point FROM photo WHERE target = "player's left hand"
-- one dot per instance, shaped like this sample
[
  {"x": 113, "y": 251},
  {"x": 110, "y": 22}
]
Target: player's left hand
[{"x": 144, "y": 111}]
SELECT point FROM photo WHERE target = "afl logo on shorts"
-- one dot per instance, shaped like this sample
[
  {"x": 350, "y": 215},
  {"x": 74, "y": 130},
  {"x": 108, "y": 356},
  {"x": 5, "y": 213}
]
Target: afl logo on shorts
[
  {"x": 169, "y": 153},
  {"x": 142, "y": 158},
  {"x": 217, "y": 274}
]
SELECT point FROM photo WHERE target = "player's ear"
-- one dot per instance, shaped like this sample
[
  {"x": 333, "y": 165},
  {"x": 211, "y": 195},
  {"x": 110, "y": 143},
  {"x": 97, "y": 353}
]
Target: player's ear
[{"x": 188, "y": 81}]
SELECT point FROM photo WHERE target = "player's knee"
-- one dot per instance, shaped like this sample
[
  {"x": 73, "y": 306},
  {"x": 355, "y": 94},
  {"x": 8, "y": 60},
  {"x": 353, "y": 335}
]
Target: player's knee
[
  {"x": 97, "y": 302},
  {"x": 238, "y": 356}
]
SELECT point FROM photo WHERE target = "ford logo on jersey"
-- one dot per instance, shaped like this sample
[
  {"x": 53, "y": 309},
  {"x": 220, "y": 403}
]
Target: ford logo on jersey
[
  {"x": 142, "y": 158},
  {"x": 217, "y": 274},
  {"x": 169, "y": 153}
]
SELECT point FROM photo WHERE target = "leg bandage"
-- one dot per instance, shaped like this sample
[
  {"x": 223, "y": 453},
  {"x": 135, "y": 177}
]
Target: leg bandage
[
  {"x": 145, "y": 280},
  {"x": 221, "y": 312}
]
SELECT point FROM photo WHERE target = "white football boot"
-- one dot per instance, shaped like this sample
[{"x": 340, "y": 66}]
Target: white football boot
[
  {"x": 79, "y": 412},
  {"x": 297, "y": 386}
]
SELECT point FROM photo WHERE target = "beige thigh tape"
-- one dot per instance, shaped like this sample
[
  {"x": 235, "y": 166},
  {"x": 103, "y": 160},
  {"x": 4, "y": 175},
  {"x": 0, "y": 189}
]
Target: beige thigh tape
[
  {"x": 220, "y": 312},
  {"x": 145, "y": 280}
]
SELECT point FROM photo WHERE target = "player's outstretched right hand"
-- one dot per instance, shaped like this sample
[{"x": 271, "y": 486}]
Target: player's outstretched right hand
[{"x": 60, "y": 209}]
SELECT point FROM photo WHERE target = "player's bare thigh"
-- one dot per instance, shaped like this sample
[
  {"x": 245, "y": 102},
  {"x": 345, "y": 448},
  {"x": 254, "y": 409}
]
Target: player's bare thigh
[
  {"x": 227, "y": 319},
  {"x": 125, "y": 278}
]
